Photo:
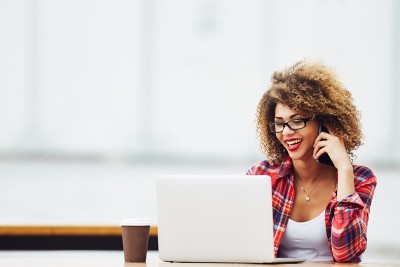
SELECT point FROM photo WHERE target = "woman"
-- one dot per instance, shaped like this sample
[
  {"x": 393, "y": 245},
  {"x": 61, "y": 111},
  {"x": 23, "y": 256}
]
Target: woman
[{"x": 320, "y": 210}]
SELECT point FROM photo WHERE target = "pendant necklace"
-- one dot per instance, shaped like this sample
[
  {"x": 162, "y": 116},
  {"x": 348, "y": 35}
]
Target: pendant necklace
[{"x": 307, "y": 197}]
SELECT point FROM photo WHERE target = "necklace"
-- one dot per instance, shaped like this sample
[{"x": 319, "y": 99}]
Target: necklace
[{"x": 307, "y": 197}]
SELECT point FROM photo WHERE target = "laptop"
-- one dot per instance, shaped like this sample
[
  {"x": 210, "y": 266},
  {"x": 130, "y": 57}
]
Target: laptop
[{"x": 216, "y": 218}]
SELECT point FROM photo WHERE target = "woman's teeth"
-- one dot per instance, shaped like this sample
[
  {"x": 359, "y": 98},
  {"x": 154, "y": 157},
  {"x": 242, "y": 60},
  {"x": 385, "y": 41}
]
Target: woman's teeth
[{"x": 293, "y": 142}]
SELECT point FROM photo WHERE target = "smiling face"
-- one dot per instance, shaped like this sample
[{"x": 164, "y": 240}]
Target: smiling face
[{"x": 298, "y": 143}]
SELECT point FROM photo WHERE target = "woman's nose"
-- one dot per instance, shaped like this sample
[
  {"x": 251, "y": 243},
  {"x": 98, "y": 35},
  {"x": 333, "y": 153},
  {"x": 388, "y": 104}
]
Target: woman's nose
[{"x": 287, "y": 130}]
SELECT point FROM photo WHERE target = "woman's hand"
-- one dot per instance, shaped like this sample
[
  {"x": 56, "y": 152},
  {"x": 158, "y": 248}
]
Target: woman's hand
[{"x": 334, "y": 147}]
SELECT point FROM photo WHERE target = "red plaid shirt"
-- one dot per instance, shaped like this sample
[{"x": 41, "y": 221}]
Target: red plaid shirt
[{"x": 346, "y": 220}]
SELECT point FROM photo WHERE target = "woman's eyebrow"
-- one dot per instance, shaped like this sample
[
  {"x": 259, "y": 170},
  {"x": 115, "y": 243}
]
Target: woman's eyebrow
[{"x": 291, "y": 117}]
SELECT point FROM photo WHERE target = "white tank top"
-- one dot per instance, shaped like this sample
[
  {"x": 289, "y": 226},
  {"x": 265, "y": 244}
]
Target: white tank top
[{"x": 306, "y": 240}]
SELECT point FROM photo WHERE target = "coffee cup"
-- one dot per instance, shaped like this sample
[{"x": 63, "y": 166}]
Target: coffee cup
[{"x": 135, "y": 238}]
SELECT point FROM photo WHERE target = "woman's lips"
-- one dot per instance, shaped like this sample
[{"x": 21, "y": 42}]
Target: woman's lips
[{"x": 293, "y": 144}]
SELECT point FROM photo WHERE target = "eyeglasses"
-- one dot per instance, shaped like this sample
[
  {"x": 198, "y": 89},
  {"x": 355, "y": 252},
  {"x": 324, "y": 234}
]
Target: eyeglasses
[{"x": 296, "y": 124}]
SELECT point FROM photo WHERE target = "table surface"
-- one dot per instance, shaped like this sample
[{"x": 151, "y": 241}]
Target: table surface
[{"x": 116, "y": 258}]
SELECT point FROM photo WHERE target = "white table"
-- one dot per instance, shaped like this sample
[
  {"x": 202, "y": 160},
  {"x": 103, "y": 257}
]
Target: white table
[{"x": 116, "y": 259}]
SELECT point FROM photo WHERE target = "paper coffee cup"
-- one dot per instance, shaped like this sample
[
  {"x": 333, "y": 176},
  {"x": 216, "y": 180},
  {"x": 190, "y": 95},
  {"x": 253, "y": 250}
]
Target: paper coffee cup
[{"x": 135, "y": 238}]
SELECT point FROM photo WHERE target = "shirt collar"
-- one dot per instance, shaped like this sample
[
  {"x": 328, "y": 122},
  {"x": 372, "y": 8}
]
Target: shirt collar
[{"x": 286, "y": 168}]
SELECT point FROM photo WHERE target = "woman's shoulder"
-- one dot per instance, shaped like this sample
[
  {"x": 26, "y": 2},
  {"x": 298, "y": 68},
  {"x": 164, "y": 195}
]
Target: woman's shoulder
[
  {"x": 263, "y": 167},
  {"x": 363, "y": 174}
]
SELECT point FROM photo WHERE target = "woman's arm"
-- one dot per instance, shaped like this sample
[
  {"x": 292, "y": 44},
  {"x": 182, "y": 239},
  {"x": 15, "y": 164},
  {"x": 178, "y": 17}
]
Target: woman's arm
[
  {"x": 334, "y": 146},
  {"x": 350, "y": 218},
  {"x": 355, "y": 190}
]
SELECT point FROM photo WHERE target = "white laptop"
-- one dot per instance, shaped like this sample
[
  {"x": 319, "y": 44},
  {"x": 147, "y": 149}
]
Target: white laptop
[{"x": 215, "y": 218}]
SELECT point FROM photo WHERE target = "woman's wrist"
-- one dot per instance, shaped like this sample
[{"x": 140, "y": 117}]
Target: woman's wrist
[
  {"x": 345, "y": 183},
  {"x": 346, "y": 169}
]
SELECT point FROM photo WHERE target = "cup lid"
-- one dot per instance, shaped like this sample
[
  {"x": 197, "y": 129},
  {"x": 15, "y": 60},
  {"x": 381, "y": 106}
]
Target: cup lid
[{"x": 135, "y": 222}]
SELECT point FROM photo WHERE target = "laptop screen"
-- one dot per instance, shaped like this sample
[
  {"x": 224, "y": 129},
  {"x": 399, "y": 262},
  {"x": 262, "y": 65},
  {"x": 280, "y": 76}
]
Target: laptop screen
[{"x": 215, "y": 218}]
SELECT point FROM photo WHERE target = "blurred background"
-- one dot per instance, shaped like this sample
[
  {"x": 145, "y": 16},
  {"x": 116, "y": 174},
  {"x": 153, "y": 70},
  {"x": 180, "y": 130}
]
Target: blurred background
[{"x": 99, "y": 97}]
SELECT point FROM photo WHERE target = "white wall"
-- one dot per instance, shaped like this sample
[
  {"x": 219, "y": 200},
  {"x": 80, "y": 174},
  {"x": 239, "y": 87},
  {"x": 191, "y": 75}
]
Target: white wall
[{"x": 179, "y": 78}]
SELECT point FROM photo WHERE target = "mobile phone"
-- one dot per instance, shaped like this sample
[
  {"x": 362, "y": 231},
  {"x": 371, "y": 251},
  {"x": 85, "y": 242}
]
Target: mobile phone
[{"x": 324, "y": 158}]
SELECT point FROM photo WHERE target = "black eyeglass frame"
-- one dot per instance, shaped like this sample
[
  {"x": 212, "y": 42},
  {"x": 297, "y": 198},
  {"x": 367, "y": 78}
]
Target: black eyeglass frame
[{"x": 271, "y": 126}]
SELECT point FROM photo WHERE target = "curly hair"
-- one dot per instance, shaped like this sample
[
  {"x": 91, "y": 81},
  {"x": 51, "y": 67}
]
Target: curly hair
[{"x": 309, "y": 88}]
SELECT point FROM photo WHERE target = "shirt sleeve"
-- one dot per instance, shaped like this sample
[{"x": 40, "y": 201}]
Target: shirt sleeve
[{"x": 350, "y": 219}]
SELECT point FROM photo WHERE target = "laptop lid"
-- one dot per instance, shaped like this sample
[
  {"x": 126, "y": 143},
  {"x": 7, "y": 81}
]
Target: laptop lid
[{"x": 214, "y": 218}]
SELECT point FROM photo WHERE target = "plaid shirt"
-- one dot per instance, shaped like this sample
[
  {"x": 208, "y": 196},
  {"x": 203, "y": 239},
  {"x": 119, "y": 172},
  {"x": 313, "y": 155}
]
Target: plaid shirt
[{"x": 346, "y": 220}]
